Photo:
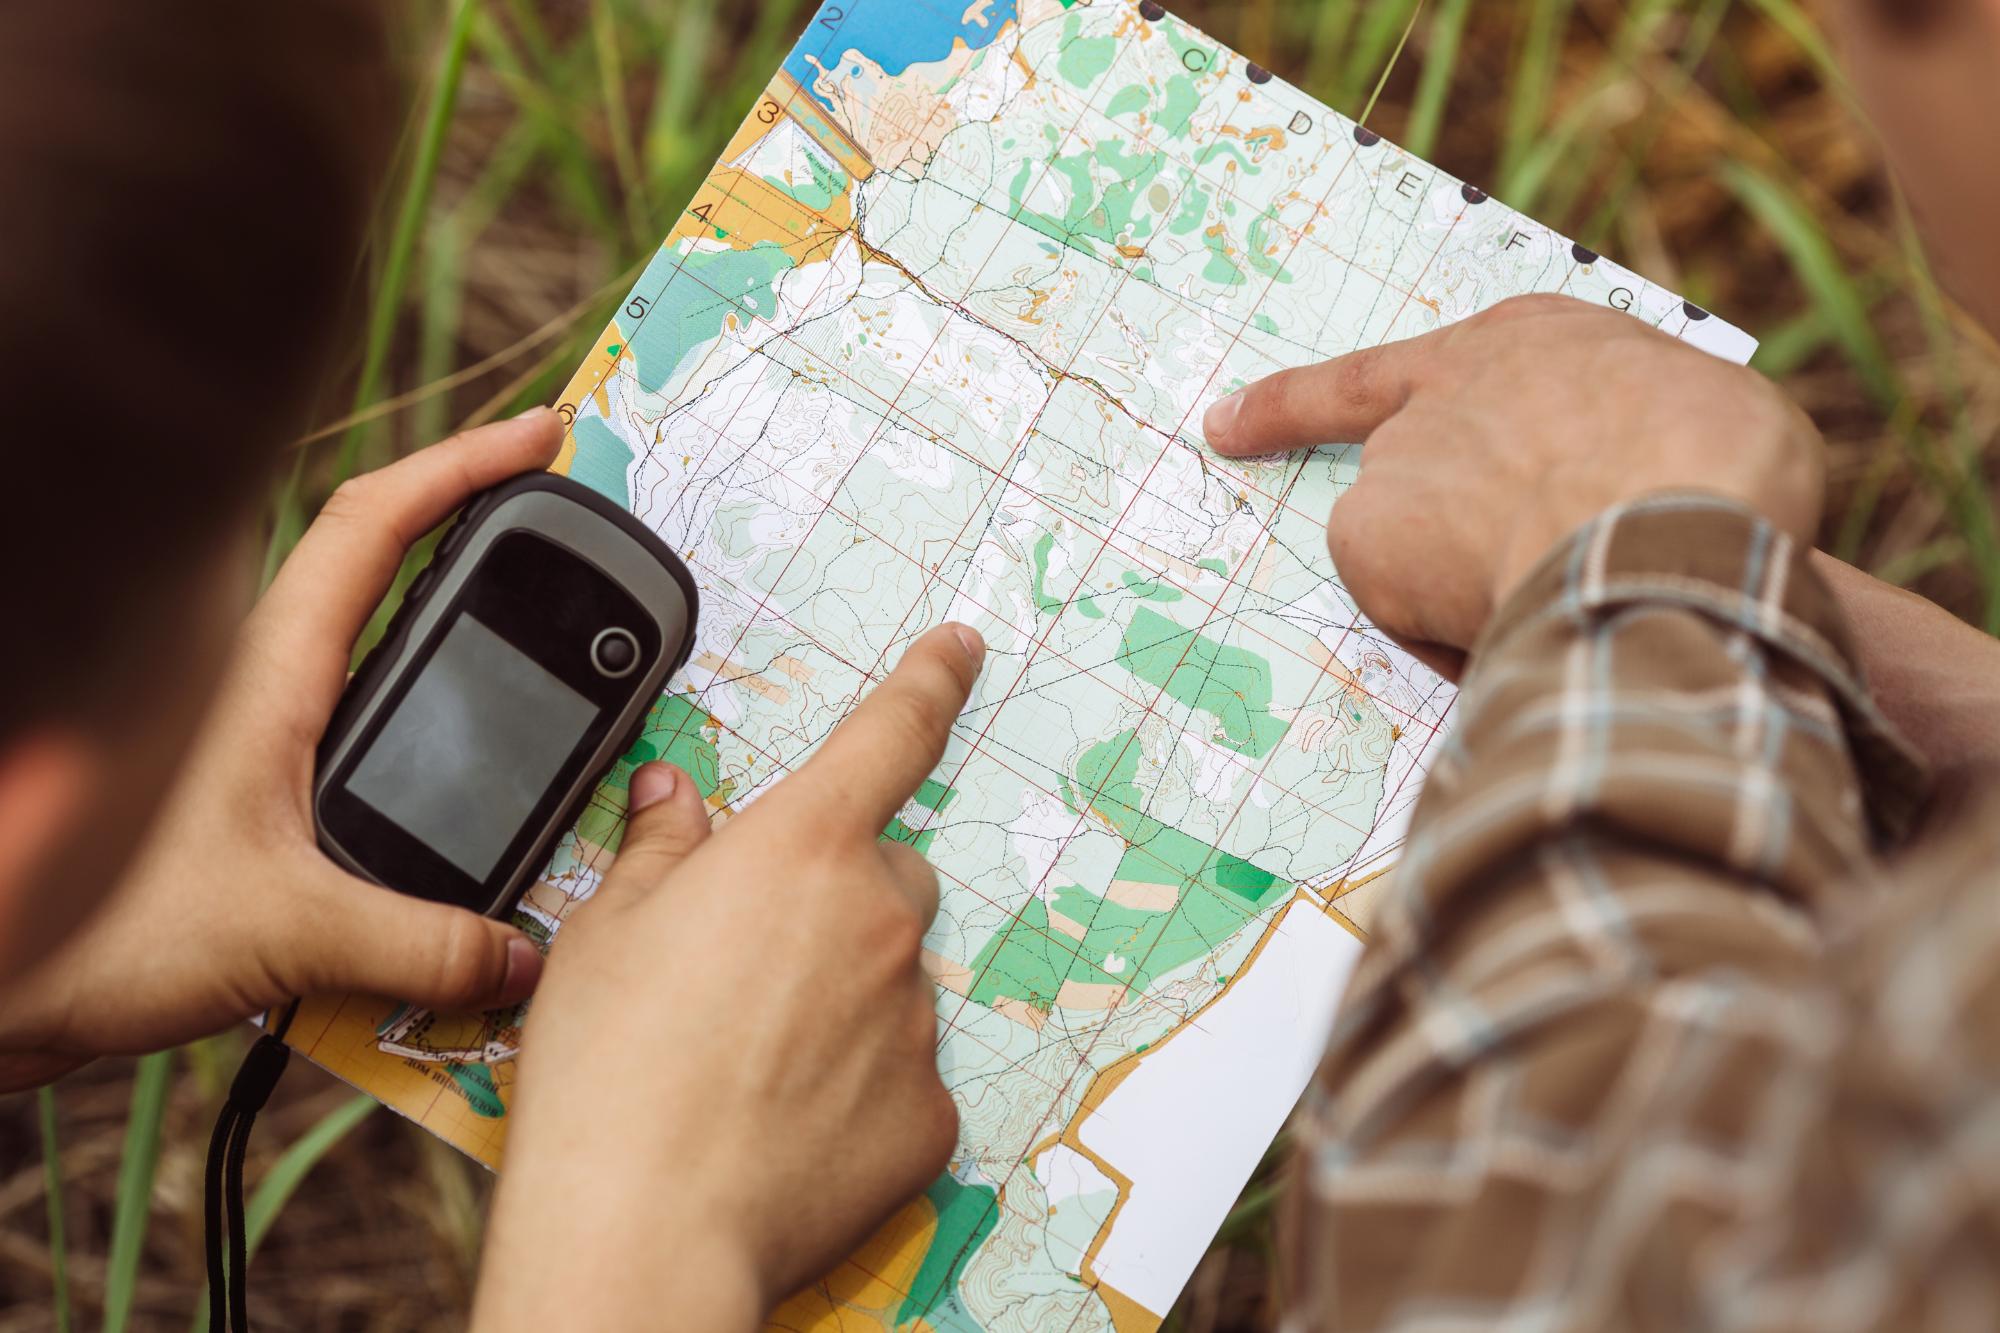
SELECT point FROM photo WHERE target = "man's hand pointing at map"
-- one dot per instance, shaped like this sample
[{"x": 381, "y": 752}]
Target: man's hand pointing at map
[
  {"x": 1479, "y": 459},
  {"x": 760, "y": 990}
]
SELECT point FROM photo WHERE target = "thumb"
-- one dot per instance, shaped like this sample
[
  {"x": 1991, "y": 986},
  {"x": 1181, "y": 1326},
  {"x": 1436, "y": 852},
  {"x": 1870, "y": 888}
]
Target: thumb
[
  {"x": 668, "y": 821},
  {"x": 427, "y": 953}
]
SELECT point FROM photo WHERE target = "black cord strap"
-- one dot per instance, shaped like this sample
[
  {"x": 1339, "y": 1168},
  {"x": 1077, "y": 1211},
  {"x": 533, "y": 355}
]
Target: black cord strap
[{"x": 222, "y": 1183}]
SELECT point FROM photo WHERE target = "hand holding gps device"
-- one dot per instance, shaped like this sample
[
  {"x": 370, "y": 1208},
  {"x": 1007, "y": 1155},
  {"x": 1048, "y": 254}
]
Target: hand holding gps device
[{"x": 522, "y": 663}]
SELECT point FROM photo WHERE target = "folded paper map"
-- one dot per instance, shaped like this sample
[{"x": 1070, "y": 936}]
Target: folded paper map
[{"x": 933, "y": 341}]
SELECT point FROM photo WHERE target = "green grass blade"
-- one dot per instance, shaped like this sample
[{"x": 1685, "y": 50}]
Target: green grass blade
[
  {"x": 1253, "y": 1211},
  {"x": 285, "y": 1176},
  {"x": 1866, "y": 497},
  {"x": 534, "y": 89},
  {"x": 288, "y": 519},
  {"x": 133, "y": 1208},
  {"x": 457, "y": 1211},
  {"x": 1845, "y": 307},
  {"x": 1563, "y": 145},
  {"x": 1937, "y": 329},
  {"x": 1389, "y": 67},
  {"x": 1523, "y": 187},
  {"x": 670, "y": 146},
  {"x": 506, "y": 167},
  {"x": 717, "y": 116},
  {"x": 437, "y": 339},
  {"x": 541, "y": 381},
  {"x": 416, "y": 197},
  {"x": 772, "y": 38},
  {"x": 1251, "y": 1216},
  {"x": 1736, "y": 89},
  {"x": 1701, "y": 35},
  {"x": 289, "y": 516},
  {"x": 1825, "y": 277},
  {"x": 1786, "y": 348},
  {"x": 52, "y": 1189},
  {"x": 1534, "y": 80},
  {"x": 1434, "y": 84},
  {"x": 1387, "y": 24},
  {"x": 212, "y": 1062},
  {"x": 1641, "y": 38},
  {"x": 1906, "y": 569},
  {"x": 618, "y": 119},
  {"x": 533, "y": 32},
  {"x": 1255, "y": 20},
  {"x": 1331, "y": 24},
  {"x": 1795, "y": 23}
]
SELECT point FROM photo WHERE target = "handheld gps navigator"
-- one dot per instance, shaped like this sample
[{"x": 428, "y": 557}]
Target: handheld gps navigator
[{"x": 522, "y": 663}]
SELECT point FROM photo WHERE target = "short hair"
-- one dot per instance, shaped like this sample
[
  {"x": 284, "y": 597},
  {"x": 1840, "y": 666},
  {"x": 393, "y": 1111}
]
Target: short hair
[{"x": 183, "y": 193}]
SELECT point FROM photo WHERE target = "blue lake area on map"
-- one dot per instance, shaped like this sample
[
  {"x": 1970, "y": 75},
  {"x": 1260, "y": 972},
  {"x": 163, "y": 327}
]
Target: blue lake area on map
[{"x": 894, "y": 36}]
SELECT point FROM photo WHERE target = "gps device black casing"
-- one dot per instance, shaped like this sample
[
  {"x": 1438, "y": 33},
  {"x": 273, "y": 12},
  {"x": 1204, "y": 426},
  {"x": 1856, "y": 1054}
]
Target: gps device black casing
[{"x": 523, "y": 662}]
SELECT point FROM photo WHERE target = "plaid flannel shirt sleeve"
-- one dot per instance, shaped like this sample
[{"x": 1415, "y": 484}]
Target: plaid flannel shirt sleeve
[{"x": 1590, "y": 1073}]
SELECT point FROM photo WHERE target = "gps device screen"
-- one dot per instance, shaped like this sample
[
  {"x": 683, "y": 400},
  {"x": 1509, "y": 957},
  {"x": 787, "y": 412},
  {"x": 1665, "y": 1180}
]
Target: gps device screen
[
  {"x": 526, "y": 657},
  {"x": 466, "y": 755}
]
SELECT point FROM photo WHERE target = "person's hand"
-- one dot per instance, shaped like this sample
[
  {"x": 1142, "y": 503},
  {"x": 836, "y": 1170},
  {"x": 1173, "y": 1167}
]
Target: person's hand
[
  {"x": 729, "y": 1077},
  {"x": 230, "y": 907},
  {"x": 1492, "y": 439},
  {"x": 1934, "y": 676}
]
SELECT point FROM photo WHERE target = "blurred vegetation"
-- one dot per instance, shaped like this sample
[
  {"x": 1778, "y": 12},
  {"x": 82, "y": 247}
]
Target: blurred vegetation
[{"x": 1709, "y": 144}]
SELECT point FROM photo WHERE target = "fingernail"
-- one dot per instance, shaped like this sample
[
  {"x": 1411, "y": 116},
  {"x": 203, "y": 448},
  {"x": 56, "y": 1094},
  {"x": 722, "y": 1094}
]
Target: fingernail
[
  {"x": 1216, "y": 422},
  {"x": 651, "y": 784},
  {"x": 533, "y": 412},
  {"x": 975, "y": 647},
  {"x": 524, "y": 969}
]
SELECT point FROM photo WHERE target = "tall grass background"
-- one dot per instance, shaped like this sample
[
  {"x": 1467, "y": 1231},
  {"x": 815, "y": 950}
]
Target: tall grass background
[{"x": 1710, "y": 144}]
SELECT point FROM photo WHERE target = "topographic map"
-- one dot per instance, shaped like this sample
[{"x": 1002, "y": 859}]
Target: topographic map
[{"x": 933, "y": 341}]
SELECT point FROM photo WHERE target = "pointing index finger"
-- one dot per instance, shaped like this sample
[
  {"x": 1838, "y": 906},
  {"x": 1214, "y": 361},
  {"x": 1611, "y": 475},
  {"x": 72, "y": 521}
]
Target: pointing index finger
[
  {"x": 1341, "y": 401},
  {"x": 875, "y": 760}
]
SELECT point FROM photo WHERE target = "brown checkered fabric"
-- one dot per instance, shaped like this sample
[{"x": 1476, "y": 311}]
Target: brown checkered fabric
[{"x": 1668, "y": 1022}]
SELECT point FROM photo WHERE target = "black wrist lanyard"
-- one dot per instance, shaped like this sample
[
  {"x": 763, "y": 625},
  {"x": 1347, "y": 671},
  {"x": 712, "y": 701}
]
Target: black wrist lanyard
[{"x": 222, "y": 1187}]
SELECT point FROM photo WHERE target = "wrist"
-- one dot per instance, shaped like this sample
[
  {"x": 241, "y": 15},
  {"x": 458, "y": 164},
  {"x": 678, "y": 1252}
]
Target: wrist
[
  {"x": 707, "y": 1286},
  {"x": 712, "y": 1282},
  {"x": 629, "y": 1255}
]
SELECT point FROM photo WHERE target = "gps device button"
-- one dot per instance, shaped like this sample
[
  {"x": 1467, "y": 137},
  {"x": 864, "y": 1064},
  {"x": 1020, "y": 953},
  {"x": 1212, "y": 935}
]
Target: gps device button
[
  {"x": 614, "y": 652},
  {"x": 420, "y": 585}
]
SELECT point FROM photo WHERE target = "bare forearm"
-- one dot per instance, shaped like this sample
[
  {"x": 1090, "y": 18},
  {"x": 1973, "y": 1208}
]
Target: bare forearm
[{"x": 1937, "y": 678}]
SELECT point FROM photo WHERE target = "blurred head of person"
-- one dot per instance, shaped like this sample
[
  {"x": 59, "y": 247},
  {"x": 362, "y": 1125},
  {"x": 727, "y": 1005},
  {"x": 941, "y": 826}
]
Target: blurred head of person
[
  {"x": 1928, "y": 72},
  {"x": 183, "y": 197}
]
